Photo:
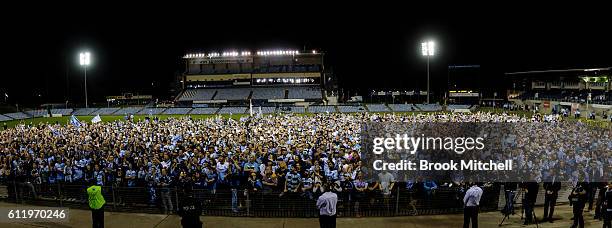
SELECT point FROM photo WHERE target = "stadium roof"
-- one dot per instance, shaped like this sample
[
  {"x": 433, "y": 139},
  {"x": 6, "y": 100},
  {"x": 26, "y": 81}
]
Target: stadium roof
[{"x": 560, "y": 71}]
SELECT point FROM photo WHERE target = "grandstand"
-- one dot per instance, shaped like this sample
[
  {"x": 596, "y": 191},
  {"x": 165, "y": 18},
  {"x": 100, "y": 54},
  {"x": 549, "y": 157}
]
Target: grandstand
[
  {"x": 348, "y": 109},
  {"x": 84, "y": 111},
  {"x": 151, "y": 111},
  {"x": 265, "y": 93},
  {"x": 128, "y": 110},
  {"x": 4, "y": 118},
  {"x": 62, "y": 111},
  {"x": 429, "y": 107},
  {"x": 265, "y": 110},
  {"x": 233, "y": 94},
  {"x": 321, "y": 109},
  {"x": 197, "y": 95},
  {"x": 37, "y": 113},
  {"x": 17, "y": 115},
  {"x": 105, "y": 111},
  {"x": 200, "y": 111},
  {"x": 176, "y": 111},
  {"x": 232, "y": 110},
  {"x": 565, "y": 89},
  {"x": 304, "y": 93},
  {"x": 402, "y": 107},
  {"x": 378, "y": 108},
  {"x": 270, "y": 77}
]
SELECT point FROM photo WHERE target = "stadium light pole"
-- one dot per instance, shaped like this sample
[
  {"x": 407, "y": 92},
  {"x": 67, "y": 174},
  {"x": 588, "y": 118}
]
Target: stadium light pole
[
  {"x": 427, "y": 49},
  {"x": 85, "y": 60}
]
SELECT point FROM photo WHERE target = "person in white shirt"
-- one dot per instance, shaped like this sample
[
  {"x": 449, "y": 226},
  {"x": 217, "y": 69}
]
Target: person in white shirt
[
  {"x": 471, "y": 201},
  {"x": 327, "y": 208}
]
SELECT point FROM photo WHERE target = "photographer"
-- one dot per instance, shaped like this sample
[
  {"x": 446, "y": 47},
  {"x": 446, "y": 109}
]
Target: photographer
[
  {"x": 510, "y": 191},
  {"x": 531, "y": 193}
]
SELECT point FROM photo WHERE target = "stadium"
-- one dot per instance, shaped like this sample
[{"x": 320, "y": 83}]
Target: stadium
[{"x": 216, "y": 134}]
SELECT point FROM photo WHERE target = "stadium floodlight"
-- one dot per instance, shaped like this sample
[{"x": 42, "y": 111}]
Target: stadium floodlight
[
  {"x": 427, "y": 49},
  {"x": 85, "y": 60}
]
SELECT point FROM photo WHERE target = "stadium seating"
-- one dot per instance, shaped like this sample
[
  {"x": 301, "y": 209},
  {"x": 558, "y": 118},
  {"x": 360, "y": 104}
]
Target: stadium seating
[
  {"x": 378, "y": 108},
  {"x": 62, "y": 111},
  {"x": 105, "y": 111},
  {"x": 429, "y": 107},
  {"x": 17, "y": 115},
  {"x": 457, "y": 106},
  {"x": 268, "y": 93},
  {"x": 233, "y": 110},
  {"x": 402, "y": 107},
  {"x": 292, "y": 109},
  {"x": 197, "y": 95},
  {"x": 151, "y": 111},
  {"x": 264, "y": 110},
  {"x": 303, "y": 92},
  {"x": 176, "y": 111},
  {"x": 198, "y": 111},
  {"x": 128, "y": 110},
  {"x": 233, "y": 94},
  {"x": 347, "y": 109},
  {"x": 4, "y": 118},
  {"x": 37, "y": 113},
  {"x": 84, "y": 111},
  {"x": 321, "y": 109}
]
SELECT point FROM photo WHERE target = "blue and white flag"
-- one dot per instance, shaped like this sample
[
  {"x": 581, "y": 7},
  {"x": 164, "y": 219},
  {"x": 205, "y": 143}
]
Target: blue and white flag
[
  {"x": 54, "y": 131},
  {"x": 96, "y": 119},
  {"x": 176, "y": 138},
  {"x": 251, "y": 107},
  {"x": 74, "y": 121}
]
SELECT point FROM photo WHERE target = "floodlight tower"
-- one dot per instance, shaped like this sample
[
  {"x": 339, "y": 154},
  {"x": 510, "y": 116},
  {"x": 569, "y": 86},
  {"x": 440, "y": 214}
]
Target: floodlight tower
[
  {"x": 85, "y": 60},
  {"x": 427, "y": 48}
]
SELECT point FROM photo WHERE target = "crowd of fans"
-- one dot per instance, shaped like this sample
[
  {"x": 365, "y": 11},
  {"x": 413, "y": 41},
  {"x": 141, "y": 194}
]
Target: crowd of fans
[{"x": 293, "y": 154}]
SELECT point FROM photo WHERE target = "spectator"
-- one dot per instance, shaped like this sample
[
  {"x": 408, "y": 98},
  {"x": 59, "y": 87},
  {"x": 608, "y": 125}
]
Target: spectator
[
  {"x": 326, "y": 203},
  {"x": 471, "y": 201}
]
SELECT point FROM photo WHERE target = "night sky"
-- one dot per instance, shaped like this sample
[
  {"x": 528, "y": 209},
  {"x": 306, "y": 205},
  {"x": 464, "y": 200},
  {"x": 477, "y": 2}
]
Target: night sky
[{"x": 138, "y": 49}]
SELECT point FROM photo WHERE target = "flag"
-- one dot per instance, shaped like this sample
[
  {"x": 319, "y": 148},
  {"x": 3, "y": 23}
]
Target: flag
[
  {"x": 74, "y": 121},
  {"x": 176, "y": 138},
  {"x": 96, "y": 119},
  {"x": 251, "y": 107},
  {"x": 54, "y": 131}
]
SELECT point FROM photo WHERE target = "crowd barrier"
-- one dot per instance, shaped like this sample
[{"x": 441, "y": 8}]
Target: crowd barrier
[{"x": 228, "y": 202}]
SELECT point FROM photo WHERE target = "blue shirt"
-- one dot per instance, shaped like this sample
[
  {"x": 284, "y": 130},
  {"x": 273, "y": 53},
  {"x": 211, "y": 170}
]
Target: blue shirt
[{"x": 472, "y": 196}]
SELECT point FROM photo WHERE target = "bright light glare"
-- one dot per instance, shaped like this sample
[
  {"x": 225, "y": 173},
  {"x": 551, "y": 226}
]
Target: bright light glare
[
  {"x": 427, "y": 48},
  {"x": 84, "y": 58}
]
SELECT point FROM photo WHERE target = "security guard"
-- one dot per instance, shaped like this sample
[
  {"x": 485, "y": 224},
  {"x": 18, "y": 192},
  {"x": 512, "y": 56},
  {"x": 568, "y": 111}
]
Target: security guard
[
  {"x": 578, "y": 199},
  {"x": 190, "y": 210},
  {"x": 96, "y": 203}
]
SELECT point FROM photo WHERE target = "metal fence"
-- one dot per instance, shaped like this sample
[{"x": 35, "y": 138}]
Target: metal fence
[{"x": 228, "y": 202}]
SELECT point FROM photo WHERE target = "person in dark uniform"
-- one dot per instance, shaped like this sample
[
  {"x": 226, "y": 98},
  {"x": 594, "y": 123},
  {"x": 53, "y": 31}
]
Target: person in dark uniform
[
  {"x": 190, "y": 211},
  {"x": 551, "y": 193},
  {"x": 510, "y": 191},
  {"x": 606, "y": 208},
  {"x": 531, "y": 193},
  {"x": 578, "y": 199}
]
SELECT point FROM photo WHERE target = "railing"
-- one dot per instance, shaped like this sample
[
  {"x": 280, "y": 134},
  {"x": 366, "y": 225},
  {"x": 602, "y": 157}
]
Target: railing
[{"x": 228, "y": 202}]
